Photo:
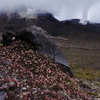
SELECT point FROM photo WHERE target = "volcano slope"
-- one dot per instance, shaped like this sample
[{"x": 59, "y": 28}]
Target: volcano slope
[
  {"x": 26, "y": 74},
  {"x": 79, "y": 46}
]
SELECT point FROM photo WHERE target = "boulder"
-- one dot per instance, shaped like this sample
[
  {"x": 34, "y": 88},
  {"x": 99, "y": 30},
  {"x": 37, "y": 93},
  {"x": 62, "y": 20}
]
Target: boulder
[
  {"x": 8, "y": 37},
  {"x": 2, "y": 95},
  {"x": 42, "y": 43}
]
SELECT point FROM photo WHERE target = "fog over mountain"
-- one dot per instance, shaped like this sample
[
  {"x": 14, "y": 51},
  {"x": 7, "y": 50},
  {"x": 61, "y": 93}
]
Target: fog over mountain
[{"x": 61, "y": 9}]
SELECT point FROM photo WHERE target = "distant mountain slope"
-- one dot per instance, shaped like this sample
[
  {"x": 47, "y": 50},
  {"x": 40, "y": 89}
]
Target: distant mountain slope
[
  {"x": 69, "y": 28},
  {"x": 50, "y": 24},
  {"x": 77, "y": 30},
  {"x": 89, "y": 26}
]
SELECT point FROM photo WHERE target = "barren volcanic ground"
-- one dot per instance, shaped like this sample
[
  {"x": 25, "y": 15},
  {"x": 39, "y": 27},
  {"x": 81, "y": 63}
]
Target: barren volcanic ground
[
  {"x": 79, "y": 44},
  {"x": 82, "y": 55}
]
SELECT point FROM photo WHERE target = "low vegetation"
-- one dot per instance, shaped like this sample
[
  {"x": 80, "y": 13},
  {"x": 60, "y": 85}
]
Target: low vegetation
[{"x": 83, "y": 56}]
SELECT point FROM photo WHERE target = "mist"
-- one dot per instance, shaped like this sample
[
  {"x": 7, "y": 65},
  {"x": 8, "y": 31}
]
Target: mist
[{"x": 61, "y": 9}]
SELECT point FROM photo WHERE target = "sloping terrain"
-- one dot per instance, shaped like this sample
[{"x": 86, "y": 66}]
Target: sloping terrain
[
  {"x": 80, "y": 44},
  {"x": 29, "y": 75}
]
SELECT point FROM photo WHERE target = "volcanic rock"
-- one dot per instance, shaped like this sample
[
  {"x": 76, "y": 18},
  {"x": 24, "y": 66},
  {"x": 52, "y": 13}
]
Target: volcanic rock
[
  {"x": 8, "y": 37},
  {"x": 41, "y": 42},
  {"x": 2, "y": 95}
]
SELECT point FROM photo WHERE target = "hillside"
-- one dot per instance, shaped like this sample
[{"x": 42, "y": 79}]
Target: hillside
[
  {"x": 68, "y": 28},
  {"x": 80, "y": 44},
  {"x": 26, "y": 74}
]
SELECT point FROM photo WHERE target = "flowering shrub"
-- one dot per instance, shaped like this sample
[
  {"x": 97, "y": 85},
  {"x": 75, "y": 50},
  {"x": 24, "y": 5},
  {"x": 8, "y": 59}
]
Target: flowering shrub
[{"x": 29, "y": 75}]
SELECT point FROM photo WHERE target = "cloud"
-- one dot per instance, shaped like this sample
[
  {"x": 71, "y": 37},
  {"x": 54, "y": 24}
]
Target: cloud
[
  {"x": 94, "y": 14},
  {"x": 61, "y": 9}
]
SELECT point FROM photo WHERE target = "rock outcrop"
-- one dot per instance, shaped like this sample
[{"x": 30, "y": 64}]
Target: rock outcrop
[
  {"x": 2, "y": 95},
  {"x": 41, "y": 42},
  {"x": 44, "y": 44},
  {"x": 8, "y": 37}
]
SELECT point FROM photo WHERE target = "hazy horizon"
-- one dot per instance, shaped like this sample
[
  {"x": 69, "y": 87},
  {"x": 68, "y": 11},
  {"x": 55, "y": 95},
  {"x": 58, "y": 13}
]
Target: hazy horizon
[{"x": 61, "y": 9}]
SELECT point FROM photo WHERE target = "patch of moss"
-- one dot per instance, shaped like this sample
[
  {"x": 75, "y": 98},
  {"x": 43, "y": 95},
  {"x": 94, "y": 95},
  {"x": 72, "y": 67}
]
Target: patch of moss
[
  {"x": 93, "y": 94},
  {"x": 85, "y": 73}
]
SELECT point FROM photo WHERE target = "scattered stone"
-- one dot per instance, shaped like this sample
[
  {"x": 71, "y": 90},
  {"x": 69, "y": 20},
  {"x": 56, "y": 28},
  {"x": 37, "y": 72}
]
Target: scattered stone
[
  {"x": 2, "y": 95},
  {"x": 6, "y": 62},
  {"x": 12, "y": 85},
  {"x": 34, "y": 75},
  {"x": 1, "y": 66},
  {"x": 17, "y": 90},
  {"x": 23, "y": 83},
  {"x": 4, "y": 87},
  {"x": 24, "y": 89}
]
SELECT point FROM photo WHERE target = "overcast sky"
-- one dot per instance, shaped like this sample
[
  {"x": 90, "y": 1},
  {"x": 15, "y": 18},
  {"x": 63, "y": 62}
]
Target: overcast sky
[{"x": 61, "y": 9}]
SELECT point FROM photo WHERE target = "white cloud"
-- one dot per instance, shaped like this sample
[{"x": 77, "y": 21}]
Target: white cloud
[
  {"x": 94, "y": 14},
  {"x": 62, "y": 9}
]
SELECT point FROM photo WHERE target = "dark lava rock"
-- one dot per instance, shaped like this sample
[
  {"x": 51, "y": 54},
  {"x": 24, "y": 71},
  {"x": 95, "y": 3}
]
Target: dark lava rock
[
  {"x": 2, "y": 95},
  {"x": 6, "y": 62},
  {"x": 41, "y": 42},
  {"x": 8, "y": 37},
  {"x": 11, "y": 85}
]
